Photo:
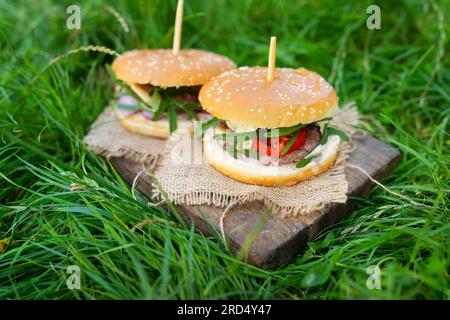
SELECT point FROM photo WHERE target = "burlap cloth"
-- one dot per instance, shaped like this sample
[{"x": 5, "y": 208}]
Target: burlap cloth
[
  {"x": 108, "y": 139},
  {"x": 186, "y": 178}
]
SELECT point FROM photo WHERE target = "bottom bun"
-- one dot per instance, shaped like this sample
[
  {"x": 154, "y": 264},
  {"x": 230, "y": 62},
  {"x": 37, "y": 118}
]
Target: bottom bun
[
  {"x": 136, "y": 123},
  {"x": 252, "y": 172}
]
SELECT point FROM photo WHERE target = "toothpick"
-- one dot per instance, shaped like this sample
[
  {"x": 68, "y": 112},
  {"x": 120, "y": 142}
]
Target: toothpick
[
  {"x": 272, "y": 55},
  {"x": 178, "y": 27}
]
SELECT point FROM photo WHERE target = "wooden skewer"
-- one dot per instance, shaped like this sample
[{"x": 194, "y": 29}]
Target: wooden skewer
[
  {"x": 272, "y": 55},
  {"x": 178, "y": 27}
]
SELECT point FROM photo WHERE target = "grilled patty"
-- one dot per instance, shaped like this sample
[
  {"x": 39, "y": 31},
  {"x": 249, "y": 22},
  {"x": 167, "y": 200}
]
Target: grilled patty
[{"x": 313, "y": 137}]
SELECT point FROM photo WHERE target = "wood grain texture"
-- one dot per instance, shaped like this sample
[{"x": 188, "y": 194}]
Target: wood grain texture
[{"x": 275, "y": 240}]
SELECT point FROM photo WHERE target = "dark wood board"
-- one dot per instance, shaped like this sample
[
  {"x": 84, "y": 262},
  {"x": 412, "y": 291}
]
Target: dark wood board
[{"x": 279, "y": 239}]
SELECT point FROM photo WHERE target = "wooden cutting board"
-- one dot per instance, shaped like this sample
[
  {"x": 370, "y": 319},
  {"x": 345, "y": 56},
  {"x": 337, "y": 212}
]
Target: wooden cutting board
[{"x": 273, "y": 240}]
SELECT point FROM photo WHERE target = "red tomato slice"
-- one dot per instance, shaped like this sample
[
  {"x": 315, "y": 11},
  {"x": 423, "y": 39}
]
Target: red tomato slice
[
  {"x": 298, "y": 143},
  {"x": 276, "y": 147}
]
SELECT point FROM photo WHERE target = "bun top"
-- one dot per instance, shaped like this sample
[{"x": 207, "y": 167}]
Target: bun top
[
  {"x": 245, "y": 97},
  {"x": 162, "y": 68}
]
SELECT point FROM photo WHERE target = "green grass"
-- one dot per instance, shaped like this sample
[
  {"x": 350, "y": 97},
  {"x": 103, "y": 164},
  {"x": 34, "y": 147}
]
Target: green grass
[{"x": 62, "y": 205}]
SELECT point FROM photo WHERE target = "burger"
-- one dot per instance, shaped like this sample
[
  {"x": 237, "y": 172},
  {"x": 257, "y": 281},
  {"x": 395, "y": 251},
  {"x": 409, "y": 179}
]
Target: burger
[
  {"x": 270, "y": 133},
  {"x": 162, "y": 88}
]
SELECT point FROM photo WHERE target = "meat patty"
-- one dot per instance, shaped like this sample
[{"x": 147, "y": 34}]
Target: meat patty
[
  {"x": 313, "y": 137},
  {"x": 188, "y": 95}
]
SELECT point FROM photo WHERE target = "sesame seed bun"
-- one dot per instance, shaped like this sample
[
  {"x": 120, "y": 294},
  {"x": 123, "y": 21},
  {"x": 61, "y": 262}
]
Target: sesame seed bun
[
  {"x": 245, "y": 97},
  {"x": 252, "y": 172},
  {"x": 162, "y": 68}
]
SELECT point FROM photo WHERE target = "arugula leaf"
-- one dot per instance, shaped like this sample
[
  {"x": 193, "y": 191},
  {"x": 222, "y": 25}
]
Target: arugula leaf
[
  {"x": 325, "y": 119},
  {"x": 128, "y": 107},
  {"x": 161, "y": 110},
  {"x": 288, "y": 130},
  {"x": 192, "y": 106},
  {"x": 324, "y": 138},
  {"x": 191, "y": 114},
  {"x": 290, "y": 143},
  {"x": 130, "y": 92},
  {"x": 328, "y": 131},
  {"x": 171, "y": 113},
  {"x": 284, "y": 131},
  {"x": 338, "y": 132},
  {"x": 137, "y": 107},
  {"x": 208, "y": 124},
  {"x": 155, "y": 99},
  {"x": 303, "y": 163},
  {"x": 141, "y": 104}
]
